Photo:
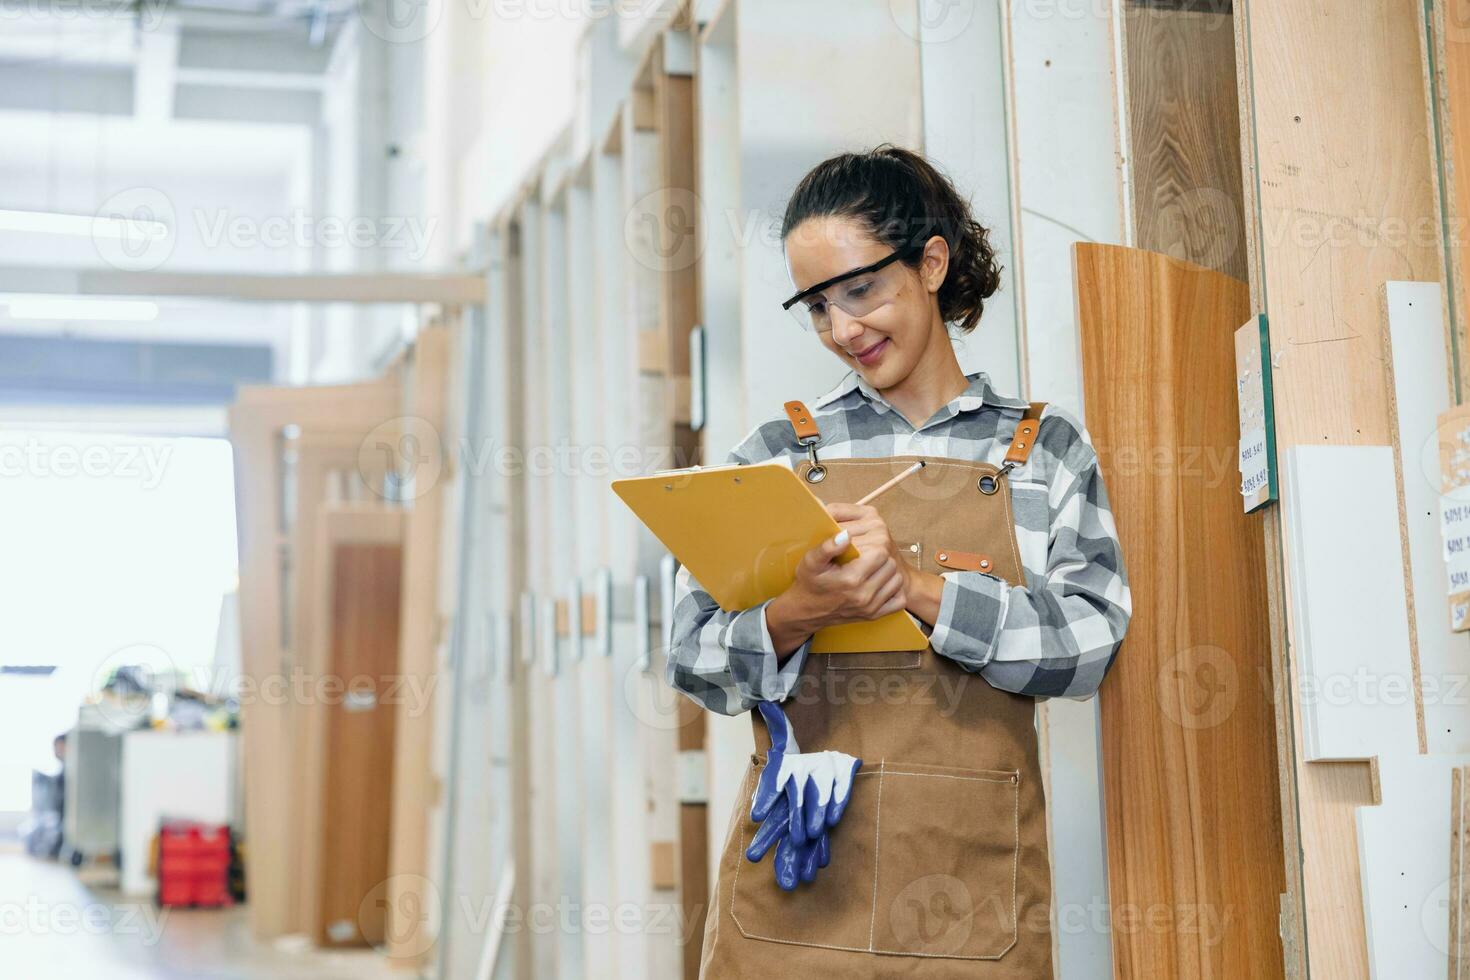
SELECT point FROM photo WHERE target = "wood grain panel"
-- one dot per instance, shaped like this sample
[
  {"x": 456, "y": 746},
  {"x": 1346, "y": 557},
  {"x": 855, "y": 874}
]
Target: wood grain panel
[
  {"x": 1344, "y": 202},
  {"x": 358, "y": 777},
  {"x": 1184, "y": 135},
  {"x": 1193, "y": 815}
]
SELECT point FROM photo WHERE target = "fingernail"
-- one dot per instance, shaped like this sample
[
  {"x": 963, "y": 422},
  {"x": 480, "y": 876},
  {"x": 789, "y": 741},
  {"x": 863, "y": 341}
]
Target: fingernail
[{"x": 841, "y": 539}]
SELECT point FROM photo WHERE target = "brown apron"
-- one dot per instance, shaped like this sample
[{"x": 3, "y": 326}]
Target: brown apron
[{"x": 939, "y": 866}]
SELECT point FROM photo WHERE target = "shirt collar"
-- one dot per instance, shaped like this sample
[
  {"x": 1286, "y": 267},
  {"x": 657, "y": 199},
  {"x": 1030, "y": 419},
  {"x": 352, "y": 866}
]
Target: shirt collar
[{"x": 978, "y": 394}]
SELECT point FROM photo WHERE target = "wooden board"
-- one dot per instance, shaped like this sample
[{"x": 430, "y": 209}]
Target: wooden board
[
  {"x": 1184, "y": 133},
  {"x": 627, "y": 803},
  {"x": 415, "y": 786},
  {"x": 1319, "y": 145},
  {"x": 506, "y": 357},
  {"x": 678, "y": 313},
  {"x": 362, "y": 552},
  {"x": 1458, "y": 927},
  {"x": 1447, "y": 73},
  {"x": 1189, "y": 757}
]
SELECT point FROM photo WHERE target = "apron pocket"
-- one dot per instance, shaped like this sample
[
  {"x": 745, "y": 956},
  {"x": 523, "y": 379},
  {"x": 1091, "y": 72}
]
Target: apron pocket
[
  {"x": 948, "y": 845},
  {"x": 924, "y": 864},
  {"x": 835, "y": 910}
]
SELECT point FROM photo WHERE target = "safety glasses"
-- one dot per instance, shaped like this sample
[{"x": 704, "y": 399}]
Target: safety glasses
[{"x": 857, "y": 292}]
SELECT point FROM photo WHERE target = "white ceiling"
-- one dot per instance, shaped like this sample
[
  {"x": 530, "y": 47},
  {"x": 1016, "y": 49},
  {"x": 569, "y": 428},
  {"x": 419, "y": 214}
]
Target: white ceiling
[{"x": 67, "y": 147}]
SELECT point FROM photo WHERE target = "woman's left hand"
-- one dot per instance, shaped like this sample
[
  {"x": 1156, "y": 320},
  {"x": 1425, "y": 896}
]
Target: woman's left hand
[{"x": 869, "y": 531}]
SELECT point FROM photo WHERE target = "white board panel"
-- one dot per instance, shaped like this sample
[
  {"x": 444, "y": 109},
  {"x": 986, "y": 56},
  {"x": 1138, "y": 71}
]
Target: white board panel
[
  {"x": 1416, "y": 331},
  {"x": 965, "y": 134},
  {"x": 1404, "y": 852},
  {"x": 781, "y": 49},
  {"x": 1065, "y": 171},
  {"x": 1347, "y": 598}
]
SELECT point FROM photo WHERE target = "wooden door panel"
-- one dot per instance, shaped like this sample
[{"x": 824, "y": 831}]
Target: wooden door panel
[{"x": 357, "y": 776}]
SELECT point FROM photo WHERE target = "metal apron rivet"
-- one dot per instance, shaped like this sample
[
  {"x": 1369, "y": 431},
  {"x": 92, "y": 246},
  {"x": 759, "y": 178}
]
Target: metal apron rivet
[{"x": 943, "y": 556}]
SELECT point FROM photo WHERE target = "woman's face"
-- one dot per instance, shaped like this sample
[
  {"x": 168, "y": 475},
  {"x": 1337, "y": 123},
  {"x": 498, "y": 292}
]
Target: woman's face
[{"x": 885, "y": 344}]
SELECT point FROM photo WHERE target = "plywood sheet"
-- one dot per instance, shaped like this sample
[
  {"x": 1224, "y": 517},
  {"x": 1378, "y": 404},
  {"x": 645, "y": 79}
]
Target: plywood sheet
[
  {"x": 1188, "y": 741},
  {"x": 1447, "y": 70},
  {"x": 1340, "y": 176}
]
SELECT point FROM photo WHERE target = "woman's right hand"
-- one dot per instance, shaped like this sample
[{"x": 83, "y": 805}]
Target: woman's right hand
[{"x": 828, "y": 594}]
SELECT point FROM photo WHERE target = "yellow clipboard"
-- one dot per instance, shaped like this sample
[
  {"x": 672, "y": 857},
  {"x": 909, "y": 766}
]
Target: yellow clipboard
[{"x": 742, "y": 530}]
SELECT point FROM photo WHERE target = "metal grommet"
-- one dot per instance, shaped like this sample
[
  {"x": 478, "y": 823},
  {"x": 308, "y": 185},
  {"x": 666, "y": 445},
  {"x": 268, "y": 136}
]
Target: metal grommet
[
  {"x": 816, "y": 474},
  {"x": 988, "y": 484}
]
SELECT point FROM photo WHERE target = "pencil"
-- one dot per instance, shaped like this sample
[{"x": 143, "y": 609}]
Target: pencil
[{"x": 868, "y": 498}]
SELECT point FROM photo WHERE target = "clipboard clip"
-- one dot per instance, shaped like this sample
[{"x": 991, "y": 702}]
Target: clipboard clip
[{"x": 808, "y": 436}]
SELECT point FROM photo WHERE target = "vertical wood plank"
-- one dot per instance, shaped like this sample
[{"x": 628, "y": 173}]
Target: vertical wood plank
[
  {"x": 415, "y": 786},
  {"x": 1192, "y": 810}
]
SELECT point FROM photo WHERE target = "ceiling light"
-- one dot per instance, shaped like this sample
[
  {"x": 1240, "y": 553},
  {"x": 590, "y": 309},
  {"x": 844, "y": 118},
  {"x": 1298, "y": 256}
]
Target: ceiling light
[
  {"x": 64, "y": 308},
  {"x": 84, "y": 225}
]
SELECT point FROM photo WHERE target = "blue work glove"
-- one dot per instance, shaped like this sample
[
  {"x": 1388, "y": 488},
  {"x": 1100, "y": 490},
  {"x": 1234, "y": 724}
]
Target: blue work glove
[{"x": 799, "y": 797}]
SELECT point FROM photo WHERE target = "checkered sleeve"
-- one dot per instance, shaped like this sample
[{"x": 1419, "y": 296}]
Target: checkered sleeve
[
  {"x": 727, "y": 661},
  {"x": 1056, "y": 636}
]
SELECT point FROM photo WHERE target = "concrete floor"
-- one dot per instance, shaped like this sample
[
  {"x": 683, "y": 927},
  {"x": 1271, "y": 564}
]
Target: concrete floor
[{"x": 53, "y": 926}]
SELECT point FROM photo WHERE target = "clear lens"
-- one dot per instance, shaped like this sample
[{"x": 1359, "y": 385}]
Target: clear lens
[{"x": 857, "y": 297}]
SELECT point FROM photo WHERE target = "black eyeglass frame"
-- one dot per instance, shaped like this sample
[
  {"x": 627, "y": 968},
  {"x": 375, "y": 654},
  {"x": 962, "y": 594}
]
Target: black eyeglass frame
[{"x": 887, "y": 260}]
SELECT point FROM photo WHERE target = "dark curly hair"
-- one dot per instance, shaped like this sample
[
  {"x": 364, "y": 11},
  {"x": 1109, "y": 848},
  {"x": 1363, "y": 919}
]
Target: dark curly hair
[{"x": 904, "y": 198}]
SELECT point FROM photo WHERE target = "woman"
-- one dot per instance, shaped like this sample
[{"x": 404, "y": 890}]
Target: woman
[{"x": 1002, "y": 547}]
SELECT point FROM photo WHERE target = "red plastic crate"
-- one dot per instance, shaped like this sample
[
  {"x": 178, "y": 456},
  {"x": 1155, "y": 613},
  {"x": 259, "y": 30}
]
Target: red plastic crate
[{"x": 193, "y": 864}]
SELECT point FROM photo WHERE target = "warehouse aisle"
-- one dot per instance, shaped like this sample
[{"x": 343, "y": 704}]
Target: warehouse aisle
[{"x": 55, "y": 927}]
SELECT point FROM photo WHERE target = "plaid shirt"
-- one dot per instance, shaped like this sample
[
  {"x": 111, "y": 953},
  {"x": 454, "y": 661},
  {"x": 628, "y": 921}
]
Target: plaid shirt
[{"x": 1055, "y": 636}]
